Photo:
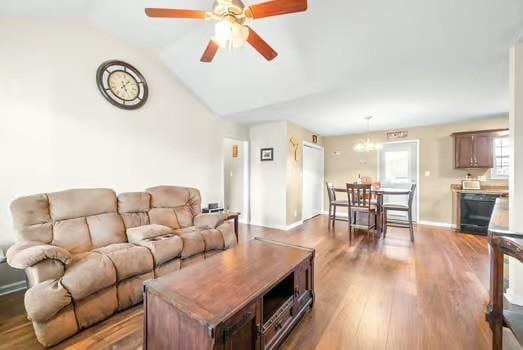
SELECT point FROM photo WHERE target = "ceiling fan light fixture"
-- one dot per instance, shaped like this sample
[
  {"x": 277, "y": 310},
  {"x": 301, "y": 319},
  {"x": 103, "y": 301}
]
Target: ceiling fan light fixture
[{"x": 230, "y": 34}]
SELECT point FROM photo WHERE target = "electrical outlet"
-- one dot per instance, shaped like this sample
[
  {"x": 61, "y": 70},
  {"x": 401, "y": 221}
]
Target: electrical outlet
[{"x": 427, "y": 173}]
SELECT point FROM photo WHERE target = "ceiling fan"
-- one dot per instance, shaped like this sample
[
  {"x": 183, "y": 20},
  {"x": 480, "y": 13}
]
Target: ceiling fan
[{"x": 230, "y": 30}]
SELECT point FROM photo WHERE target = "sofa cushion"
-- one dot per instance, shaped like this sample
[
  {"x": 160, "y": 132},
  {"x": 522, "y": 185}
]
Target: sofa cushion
[
  {"x": 88, "y": 273},
  {"x": 133, "y": 202},
  {"x": 130, "y": 291},
  {"x": 96, "y": 307},
  {"x": 190, "y": 229},
  {"x": 173, "y": 196},
  {"x": 193, "y": 243},
  {"x": 135, "y": 219},
  {"x": 73, "y": 235},
  {"x": 229, "y": 237},
  {"x": 37, "y": 232},
  {"x": 30, "y": 210},
  {"x": 137, "y": 234},
  {"x": 164, "y": 216},
  {"x": 163, "y": 248},
  {"x": 45, "y": 300},
  {"x": 128, "y": 259},
  {"x": 168, "y": 267},
  {"x": 81, "y": 202},
  {"x": 106, "y": 229},
  {"x": 212, "y": 220},
  {"x": 213, "y": 239}
]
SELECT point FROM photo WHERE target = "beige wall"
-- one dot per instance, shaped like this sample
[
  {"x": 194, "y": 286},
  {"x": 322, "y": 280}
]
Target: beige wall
[
  {"x": 58, "y": 132},
  {"x": 436, "y": 156},
  {"x": 294, "y": 171}
]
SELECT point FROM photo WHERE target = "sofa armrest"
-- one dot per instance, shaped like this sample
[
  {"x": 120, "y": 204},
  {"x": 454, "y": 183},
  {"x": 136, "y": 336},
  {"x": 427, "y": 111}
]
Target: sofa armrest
[
  {"x": 25, "y": 254},
  {"x": 139, "y": 233},
  {"x": 49, "y": 269},
  {"x": 212, "y": 220}
]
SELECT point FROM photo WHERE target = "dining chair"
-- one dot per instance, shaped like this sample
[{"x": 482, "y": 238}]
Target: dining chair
[
  {"x": 360, "y": 201},
  {"x": 334, "y": 203},
  {"x": 400, "y": 207}
]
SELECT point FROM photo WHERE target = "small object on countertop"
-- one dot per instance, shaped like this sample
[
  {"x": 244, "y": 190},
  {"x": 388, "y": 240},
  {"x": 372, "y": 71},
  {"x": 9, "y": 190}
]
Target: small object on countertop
[
  {"x": 470, "y": 185},
  {"x": 2, "y": 256}
]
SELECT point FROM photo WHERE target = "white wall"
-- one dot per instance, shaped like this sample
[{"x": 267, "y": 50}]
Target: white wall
[
  {"x": 236, "y": 178},
  {"x": 515, "y": 290},
  {"x": 268, "y": 179},
  {"x": 58, "y": 132}
]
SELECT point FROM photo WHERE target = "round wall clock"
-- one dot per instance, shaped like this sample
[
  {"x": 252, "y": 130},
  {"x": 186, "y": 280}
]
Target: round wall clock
[{"x": 122, "y": 84}]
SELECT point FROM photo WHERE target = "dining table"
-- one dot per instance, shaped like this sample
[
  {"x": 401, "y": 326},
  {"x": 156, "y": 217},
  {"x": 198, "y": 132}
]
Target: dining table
[{"x": 380, "y": 192}]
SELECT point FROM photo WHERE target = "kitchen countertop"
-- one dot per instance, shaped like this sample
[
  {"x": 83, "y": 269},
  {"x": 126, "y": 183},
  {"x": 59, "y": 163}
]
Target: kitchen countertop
[{"x": 486, "y": 189}]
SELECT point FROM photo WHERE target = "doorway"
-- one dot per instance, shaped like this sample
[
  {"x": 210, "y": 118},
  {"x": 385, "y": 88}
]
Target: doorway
[
  {"x": 398, "y": 167},
  {"x": 312, "y": 198},
  {"x": 236, "y": 177}
]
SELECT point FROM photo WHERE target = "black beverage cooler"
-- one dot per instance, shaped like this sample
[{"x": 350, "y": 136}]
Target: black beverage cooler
[{"x": 476, "y": 210}]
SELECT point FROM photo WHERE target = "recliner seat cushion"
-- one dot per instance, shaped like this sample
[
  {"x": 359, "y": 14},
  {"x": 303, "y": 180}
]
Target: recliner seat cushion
[
  {"x": 163, "y": 248},
  {"x": 213, "y": 239},
  {"x": 193, "y": 243},
  {"x": 88, "y": 273},
  {"x": 128, "y": 259},
  {"x": 229, "y": 237}
]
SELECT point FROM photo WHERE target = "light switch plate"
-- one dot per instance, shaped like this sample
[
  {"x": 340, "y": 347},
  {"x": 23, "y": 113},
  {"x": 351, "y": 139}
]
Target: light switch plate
[{"x": 427, "y": 173}]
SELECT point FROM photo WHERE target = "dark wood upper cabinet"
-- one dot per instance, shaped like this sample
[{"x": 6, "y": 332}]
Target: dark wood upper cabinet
[{"x": 475, "y": 149}]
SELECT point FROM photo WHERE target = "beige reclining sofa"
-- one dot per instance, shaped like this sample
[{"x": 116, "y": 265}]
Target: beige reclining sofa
[{"x": 87, "y": 252}]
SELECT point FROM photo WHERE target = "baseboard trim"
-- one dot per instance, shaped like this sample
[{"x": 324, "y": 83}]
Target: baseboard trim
[
  {"x": 421, "y": 222},
  {"x": 279, "y": 227},
  {"x": 436, "y": 224},
  {"x": 341, "y": 215},
  {"x": 513, "y": 298},
  {"x": 12, "y": 287}
]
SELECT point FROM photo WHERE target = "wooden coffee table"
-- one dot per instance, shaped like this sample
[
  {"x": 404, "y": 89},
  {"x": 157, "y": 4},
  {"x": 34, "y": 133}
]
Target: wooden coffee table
[{"x": 248, "y": 297}]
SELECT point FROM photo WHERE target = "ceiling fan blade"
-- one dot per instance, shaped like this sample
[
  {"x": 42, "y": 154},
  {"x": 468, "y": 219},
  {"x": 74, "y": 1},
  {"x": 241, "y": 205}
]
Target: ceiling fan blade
[
  {"x": 261, "y": 45},
  {"x": 276, "y": 8},
  {"x": 174, "y": 13},
  {"x": 210, "y": 52}
]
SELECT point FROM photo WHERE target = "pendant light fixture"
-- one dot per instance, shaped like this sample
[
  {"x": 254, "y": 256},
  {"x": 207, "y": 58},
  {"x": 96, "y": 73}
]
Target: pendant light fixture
[{"x": 366, "y": 145}]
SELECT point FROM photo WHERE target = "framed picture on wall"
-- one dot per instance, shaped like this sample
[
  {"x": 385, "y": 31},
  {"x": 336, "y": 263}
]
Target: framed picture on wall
[{"x": 266, "y": 154}]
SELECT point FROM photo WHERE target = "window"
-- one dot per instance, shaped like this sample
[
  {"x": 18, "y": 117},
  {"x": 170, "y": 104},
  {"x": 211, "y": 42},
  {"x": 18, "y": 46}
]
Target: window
[
  {"x": 397, "y": 166},
  {"x": 501, "y": 157}
]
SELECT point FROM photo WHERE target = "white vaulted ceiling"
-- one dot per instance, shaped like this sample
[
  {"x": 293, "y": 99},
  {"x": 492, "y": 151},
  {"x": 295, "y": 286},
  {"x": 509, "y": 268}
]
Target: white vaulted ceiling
[{"x": 406, "y": 62}]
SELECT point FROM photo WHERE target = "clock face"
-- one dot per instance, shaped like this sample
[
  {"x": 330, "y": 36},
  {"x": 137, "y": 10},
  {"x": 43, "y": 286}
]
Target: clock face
[{"x": 122, "y": 84}]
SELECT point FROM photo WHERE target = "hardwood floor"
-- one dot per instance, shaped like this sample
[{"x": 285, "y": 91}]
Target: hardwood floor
[{"x": 373, "y": 294}]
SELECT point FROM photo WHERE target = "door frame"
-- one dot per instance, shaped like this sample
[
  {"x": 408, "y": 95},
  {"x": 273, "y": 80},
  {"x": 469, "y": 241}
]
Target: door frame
[
  {"x": 247, "y": 173},
  {"x": 322, "y": 149},
  {"x": 418, "y": 185}
]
